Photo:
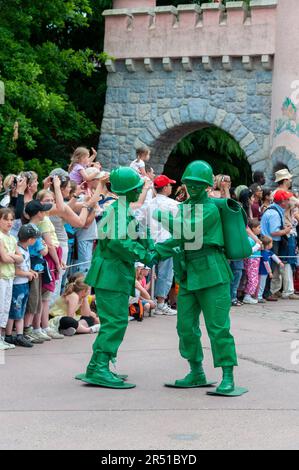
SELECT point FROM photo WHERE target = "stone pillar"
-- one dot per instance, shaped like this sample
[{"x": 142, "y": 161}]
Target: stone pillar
[
  {"x": 134, "y": 3},
  {"x": 285, "y": 94}
]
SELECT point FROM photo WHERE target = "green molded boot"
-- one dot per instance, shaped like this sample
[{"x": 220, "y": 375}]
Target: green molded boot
[
  {"x": 102, "y": 376},
  {"x": 91, "y": 369},
  {"x": 195, "y": 378},
  {"x": 227, "y": 385}
]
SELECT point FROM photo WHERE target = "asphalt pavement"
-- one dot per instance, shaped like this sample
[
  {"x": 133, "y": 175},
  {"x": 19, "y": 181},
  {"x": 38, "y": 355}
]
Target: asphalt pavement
[{"x": 43, "y": 407}]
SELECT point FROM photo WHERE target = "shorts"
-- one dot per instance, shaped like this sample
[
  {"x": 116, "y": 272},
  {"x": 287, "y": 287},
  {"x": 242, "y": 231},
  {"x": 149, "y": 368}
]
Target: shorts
[
  {"x": 67, "y": 322},
  {"x": 47, "y": 295},
  {"x": 20, "y": 295},
  {"x": 89, "y": 320},
  {"x": 5, "y": 300},
  {"x": 34, "y": 305}
]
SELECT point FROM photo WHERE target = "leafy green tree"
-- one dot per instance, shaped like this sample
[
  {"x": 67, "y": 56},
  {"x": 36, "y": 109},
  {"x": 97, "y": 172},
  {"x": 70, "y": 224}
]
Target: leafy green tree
[
  {"x": 214, "y": 146},
  {"x": 51, "y": 63}
]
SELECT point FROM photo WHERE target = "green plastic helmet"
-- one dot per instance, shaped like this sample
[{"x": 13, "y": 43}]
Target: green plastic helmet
[
  {"x": 199, "y": 171},
  {"x": 124, "y": 180}
]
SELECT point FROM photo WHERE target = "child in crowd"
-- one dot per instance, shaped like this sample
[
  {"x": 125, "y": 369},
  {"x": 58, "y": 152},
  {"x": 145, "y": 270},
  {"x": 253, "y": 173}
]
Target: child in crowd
[
  {"x": 266, "y": 200},
  {"x": 54, "y": 261},
  {"x": 9, "y": 256},
  {"x": 142, "y": 156},
  {"x": 252, "y": 264},
  {"x": 27, "y": 237},
  {"x": 65, "y": 316},
  {"x": 141, "y": 303},
  {"x": 265, "y": 269},
  {"x": 237, "y": 267},
  {"x": 81, "y": 160},
  {"x": 141, "y": 277},
  {"x": 35, "y": 212}
]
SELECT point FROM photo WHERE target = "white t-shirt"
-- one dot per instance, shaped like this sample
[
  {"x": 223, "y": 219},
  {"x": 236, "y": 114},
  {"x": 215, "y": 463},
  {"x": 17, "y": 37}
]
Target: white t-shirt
[
  {"x": 24, "y": 266},
  {"x": 166, "y": 204},
  {"x": 137, "y": 165},
  {"x": 134, "y": 300}
]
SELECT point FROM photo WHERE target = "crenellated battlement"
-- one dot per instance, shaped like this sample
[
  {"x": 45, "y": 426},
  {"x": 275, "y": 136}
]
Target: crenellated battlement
[{"x": 188, "y": 31}]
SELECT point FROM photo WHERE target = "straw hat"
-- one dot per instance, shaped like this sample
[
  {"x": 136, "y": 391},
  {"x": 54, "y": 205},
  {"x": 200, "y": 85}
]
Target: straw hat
[{"x": 282, "y": 175}]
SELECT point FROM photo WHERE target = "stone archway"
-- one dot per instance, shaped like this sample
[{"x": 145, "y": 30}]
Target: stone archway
[{"x": 162, "y": 133}]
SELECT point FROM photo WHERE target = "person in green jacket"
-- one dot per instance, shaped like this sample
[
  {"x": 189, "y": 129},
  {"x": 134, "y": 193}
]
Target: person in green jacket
[
  {"x": 112, "y": 274},
  {"x": 203, "y": 274}
]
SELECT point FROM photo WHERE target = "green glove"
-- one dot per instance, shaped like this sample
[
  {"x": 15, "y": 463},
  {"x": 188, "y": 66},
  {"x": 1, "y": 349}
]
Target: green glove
[{"x": 152, "y": 258}]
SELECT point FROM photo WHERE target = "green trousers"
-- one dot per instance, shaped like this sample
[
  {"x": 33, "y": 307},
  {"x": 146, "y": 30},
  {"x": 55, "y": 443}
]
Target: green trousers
[
  {"x": 113, "y": 312},
  {"x": 215, "y": 303}
]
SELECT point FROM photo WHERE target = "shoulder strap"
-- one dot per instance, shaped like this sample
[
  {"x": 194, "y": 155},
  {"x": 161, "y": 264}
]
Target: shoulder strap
[{"x": 276, "y": 210}]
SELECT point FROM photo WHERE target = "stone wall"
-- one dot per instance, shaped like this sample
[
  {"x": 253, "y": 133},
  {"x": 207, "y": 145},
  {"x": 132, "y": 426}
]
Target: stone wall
[{"x": 157, "y": 106}]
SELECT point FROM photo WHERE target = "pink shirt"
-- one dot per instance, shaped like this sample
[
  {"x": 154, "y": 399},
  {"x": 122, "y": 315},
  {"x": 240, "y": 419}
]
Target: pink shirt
[{"x": 75, "y": 174}]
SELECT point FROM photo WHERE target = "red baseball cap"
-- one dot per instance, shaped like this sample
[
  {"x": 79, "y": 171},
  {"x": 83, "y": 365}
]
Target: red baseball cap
[
  {"x": 282, "y": 195},
  {"x": 162, "y": 180}
]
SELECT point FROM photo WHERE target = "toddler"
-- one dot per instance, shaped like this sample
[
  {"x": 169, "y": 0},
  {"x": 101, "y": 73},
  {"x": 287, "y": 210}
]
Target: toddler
[
  {"x": 81, "y": 160},
  {"x": 27, "y": 237},
  {"x": 142, "y": 156},
  {"x": 265, "y": 269},
  {"x": 9, "y": 256},
  {"x": 252, "y": 265}
]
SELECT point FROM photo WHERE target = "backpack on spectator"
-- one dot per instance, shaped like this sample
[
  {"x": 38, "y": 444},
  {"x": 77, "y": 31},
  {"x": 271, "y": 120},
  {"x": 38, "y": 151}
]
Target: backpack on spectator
[{"x": 136, "y": 311}]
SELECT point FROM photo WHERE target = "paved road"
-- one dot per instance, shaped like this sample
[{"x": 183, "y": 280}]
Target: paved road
[{"x": 43, "y": 407}]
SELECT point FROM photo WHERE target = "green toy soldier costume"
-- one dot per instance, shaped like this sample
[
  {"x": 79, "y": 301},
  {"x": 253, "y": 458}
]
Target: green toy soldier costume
[
  {"x": 204, "y": 277},
  {"x": 112, "y": 274}
]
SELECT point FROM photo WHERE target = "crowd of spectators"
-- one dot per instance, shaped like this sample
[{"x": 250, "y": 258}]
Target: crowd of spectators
[{"x": 48, "y": 232}]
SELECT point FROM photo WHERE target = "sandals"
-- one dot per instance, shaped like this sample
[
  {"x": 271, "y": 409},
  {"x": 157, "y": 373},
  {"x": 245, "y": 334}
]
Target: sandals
[{"x": 237, "y": 303}]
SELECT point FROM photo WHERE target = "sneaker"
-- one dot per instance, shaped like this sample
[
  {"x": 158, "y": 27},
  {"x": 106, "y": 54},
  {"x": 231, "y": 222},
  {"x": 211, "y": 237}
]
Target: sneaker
[
  {"x": 33, "y": 338},
  {"x": 53, "y": 334},
  {"x": 272, "y": 298},
  {"x": 292, "y": 297},
  {"x": 8, "y": 345},
  {"x": 29, "y": 335},
  {"x": 165, "y": 310},
  {"x": 68, "y": 331},
  {"x": 10, "y": 339},
  {"x": 95, "y": 328},
  {"x": 3, "y": 345},
  {"x": 249, "y": 300},
  {"x": 42, "y": 335},
  {"x": 20, "y": 340}
]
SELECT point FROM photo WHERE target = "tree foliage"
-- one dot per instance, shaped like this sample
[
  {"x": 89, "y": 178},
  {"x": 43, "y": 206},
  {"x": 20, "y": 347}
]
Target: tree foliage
[
  {"x": 215, "y": 146},
  {"x": 50, "y": 62}
]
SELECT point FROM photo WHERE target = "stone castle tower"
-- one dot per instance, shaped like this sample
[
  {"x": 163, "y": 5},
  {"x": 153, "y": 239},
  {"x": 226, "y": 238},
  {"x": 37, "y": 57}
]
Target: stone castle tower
[{"x": 176, "y": 70}]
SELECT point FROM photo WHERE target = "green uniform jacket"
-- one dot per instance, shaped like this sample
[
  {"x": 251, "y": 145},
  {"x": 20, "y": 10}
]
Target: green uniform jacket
[
  {"x": 200, "y": 268},
  {"x": 112, "y": 266}
]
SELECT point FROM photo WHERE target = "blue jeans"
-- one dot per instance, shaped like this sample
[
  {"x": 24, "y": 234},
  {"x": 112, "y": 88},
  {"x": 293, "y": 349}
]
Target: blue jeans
[
  {"x": 164, "y": 271},
  {"x": 84, "y": 255},
  {"x": 20, "y": 295},
  {"x": 237, "y": 269}
]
